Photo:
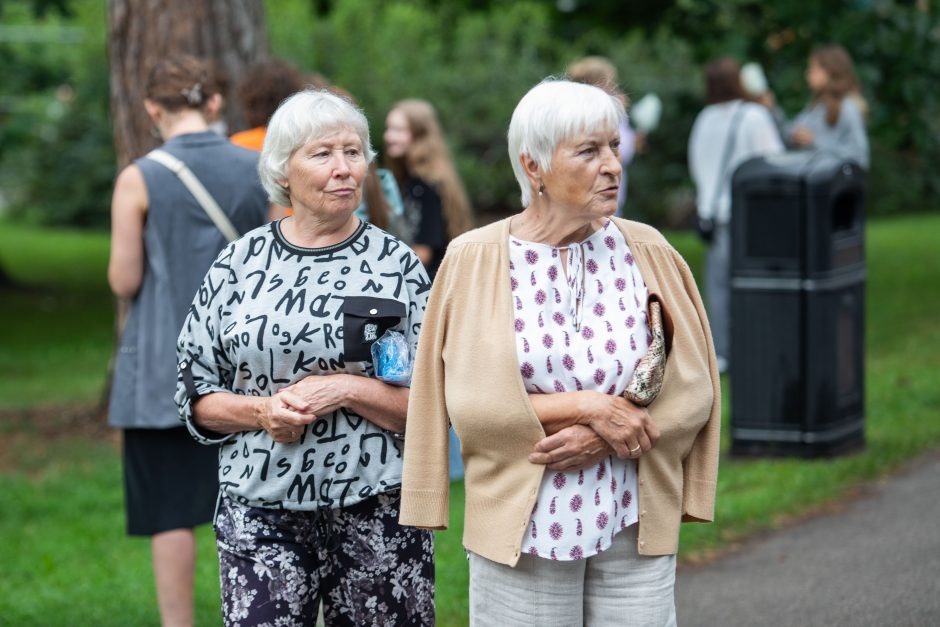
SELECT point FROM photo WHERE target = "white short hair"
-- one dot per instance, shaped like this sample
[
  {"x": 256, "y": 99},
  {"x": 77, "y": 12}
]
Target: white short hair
[
  {"x": 551, "y": 112},
  {"x": 305, "y": 115}
]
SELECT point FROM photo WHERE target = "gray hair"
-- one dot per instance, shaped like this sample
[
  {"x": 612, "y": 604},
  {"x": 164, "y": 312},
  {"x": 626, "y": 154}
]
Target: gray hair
[
  {"x": 551, "y": 112},
  {"x": 305, "y": 115}
]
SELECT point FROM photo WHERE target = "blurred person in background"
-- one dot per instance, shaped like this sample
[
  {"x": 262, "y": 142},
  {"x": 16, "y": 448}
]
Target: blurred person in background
[
  {"x": 261, "y": 90},
  {"x": 162, "y": 243},
  {"x": 727, "y": 132},
  {"x": 436, "y": 206},
  {"x": 276, "y": 366},
  {"x": 834, "y": 120},
  {"x": 538, "y": 326},
  {"x": 600, "y": 72}
]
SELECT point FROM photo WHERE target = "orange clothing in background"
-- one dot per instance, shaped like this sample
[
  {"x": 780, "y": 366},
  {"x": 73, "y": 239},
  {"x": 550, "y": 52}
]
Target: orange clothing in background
[{"x": 253, "y": 138}]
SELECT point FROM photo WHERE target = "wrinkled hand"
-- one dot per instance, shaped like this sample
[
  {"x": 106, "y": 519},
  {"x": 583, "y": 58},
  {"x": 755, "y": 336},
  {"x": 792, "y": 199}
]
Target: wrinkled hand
[
  {"x": 285, "y": 416},
  {"x": 573, "y": 448},
  {"x": 802, "y": 136},
  {"x": 623, "y": 425},
  {"x": 323, "y": 394}
]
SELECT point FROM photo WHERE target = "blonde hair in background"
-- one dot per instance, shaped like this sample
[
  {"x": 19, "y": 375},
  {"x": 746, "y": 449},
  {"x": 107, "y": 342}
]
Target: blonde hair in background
[
  {"x": 597, "y": 71},
  {"x": 429, "y": 159}
]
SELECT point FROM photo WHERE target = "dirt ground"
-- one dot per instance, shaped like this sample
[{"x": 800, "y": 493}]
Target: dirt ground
[{"x": 40, "y": 426}]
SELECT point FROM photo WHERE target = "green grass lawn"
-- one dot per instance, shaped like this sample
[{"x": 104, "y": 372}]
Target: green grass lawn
[
  {"x": 56, "y": 330},
  {"x": 65, "y": 560}
]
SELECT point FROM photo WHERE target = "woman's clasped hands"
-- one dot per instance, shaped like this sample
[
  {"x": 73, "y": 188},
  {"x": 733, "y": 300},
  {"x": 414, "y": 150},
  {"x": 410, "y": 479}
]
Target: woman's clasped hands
[
  {"x": 287, "y": 413},
  {"x": 605, "y": 424}
]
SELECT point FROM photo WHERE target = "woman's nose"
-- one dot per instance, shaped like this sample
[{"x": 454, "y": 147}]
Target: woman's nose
[
  {"x": 341, "y": 166},
  {"x": 611, "y": 164}
]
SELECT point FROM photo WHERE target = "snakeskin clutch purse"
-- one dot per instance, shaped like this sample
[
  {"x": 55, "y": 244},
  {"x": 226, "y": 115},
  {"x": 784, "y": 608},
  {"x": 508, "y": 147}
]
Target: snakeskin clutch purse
[{"x": 647, "y": 379}]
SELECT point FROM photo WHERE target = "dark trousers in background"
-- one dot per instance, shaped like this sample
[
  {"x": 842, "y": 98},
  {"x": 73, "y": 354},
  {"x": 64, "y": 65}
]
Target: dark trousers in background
[{"x": 718, "y": 292}]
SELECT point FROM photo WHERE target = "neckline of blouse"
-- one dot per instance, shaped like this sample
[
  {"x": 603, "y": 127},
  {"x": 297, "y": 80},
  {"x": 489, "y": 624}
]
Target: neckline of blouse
[
  {"x": 324, "y": 250},
  {"x": 592, "y": 236}
]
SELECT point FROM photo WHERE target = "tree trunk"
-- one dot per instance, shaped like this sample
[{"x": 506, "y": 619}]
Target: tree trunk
[{"x": 230, "y": 33}]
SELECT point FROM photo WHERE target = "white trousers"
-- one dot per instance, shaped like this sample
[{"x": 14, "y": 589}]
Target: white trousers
[{"x": 615, "y": 587}]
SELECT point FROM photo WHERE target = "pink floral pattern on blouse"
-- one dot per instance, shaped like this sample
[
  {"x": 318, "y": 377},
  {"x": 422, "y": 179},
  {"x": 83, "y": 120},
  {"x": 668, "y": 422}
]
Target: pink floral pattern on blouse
[{"x": 581, "y": 326}]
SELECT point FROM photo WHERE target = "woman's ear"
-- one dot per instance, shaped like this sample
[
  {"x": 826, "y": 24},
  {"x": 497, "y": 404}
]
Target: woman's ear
[
  {"x": 154, "y": 110},
  {"x": 213, "y": 106},
  {"x": 533, "y": 171}
]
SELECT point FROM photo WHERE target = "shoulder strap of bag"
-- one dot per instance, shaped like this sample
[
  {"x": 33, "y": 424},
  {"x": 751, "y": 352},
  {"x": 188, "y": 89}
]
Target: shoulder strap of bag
[
  {"x": 726, "y": 156},
  {"x": 198, "y": 190}
]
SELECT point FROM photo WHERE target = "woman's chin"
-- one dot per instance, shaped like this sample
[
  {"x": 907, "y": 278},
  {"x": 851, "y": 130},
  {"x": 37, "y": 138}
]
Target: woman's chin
[
  {"x": 607, "y": 209},
  {"x": 334, "y": 208}
]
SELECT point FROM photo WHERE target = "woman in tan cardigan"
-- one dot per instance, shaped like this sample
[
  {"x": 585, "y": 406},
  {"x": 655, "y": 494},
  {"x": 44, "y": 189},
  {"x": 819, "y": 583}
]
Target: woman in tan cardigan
[{"x": 533, "y": 331}]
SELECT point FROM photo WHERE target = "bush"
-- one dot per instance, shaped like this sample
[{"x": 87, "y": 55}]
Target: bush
[
  {"x": 474, "y": 60},
  {"x": 57, "y": 158},
  {"x": 72, "y": 167},
  {"x": 475, "y": 65},
  {"x": 473, "y": 69}
]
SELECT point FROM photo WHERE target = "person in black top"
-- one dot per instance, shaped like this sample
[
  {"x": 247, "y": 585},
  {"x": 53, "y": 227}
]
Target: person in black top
[{"x": 436, "y": 205}]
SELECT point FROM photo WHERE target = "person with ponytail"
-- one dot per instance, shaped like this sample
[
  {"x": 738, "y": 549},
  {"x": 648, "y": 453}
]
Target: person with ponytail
[
  {"x": 436, "y": 206},
  {"x": 834, "y": 120},
  {"x": 162, "y": 243}
]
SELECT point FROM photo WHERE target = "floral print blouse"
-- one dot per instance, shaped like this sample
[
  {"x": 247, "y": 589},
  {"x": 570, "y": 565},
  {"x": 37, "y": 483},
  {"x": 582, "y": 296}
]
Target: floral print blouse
[{"x": 580, "y": 325}]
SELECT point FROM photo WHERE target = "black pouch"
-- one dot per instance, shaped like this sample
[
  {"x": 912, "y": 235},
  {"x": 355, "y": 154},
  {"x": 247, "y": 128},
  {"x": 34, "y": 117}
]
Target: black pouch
[{"x": 365, "y": 319}]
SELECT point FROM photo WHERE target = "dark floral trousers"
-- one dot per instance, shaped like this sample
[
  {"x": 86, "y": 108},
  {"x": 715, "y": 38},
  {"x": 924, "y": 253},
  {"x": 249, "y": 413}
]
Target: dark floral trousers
[{"x": 276, "y": 566}]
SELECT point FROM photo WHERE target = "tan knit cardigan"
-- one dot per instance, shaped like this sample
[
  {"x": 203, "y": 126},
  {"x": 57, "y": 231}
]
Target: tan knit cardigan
[{"x": 467, "y": 370}]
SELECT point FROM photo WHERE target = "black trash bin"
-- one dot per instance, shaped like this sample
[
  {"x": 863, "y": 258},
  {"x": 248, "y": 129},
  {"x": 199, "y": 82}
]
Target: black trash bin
[{"x": 797, "y": 306}]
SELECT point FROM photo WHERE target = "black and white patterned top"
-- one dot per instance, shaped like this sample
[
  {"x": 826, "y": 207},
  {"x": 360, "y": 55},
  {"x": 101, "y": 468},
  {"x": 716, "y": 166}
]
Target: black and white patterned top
[{"x": 267, "y": 315}]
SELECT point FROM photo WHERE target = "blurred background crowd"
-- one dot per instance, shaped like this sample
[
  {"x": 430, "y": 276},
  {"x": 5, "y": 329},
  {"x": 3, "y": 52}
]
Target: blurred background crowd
[{"x": 472, "y": 59}]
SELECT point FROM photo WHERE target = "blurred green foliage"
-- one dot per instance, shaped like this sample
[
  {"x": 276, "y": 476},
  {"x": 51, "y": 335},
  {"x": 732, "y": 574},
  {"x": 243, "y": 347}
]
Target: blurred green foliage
[
  {"x": 474, "y": 59},
  {"x": 57, "y": 158}
]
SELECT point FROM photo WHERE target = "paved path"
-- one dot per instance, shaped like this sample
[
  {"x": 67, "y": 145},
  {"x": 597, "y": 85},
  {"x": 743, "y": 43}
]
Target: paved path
[{"x": 875, "y": 563}]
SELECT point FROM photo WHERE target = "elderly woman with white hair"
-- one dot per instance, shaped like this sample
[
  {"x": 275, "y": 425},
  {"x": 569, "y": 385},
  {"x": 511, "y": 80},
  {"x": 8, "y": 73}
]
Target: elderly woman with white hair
[
  {"x": 571, "y": 351},
  {"x": 276, "y": 365}
]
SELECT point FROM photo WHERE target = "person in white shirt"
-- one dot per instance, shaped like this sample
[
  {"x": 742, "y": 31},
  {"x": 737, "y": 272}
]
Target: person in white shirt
[{"x": 729, "y": 131}]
